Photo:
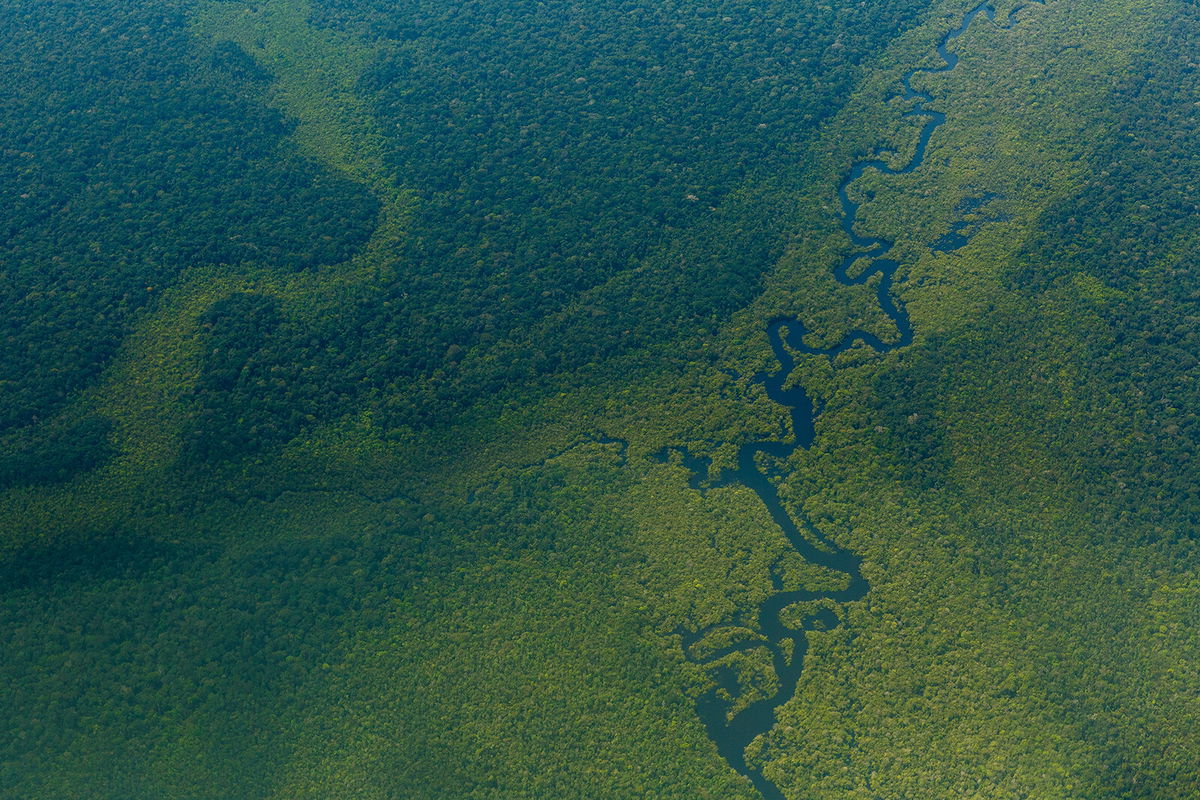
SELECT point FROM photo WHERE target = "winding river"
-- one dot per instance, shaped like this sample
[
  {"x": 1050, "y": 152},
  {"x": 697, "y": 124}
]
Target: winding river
[{"x": 732, "y": 726}]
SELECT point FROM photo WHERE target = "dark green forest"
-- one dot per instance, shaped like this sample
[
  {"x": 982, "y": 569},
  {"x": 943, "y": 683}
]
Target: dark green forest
[{"x": 386, "y": 402}]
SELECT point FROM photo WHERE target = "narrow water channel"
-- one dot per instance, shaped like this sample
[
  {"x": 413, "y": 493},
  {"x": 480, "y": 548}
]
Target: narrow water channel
[{"x": 733, "y": 732}]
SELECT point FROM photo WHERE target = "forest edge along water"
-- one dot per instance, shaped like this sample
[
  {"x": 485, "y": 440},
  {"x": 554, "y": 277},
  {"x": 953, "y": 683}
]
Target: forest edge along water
[{"x": 787, "y": 646}]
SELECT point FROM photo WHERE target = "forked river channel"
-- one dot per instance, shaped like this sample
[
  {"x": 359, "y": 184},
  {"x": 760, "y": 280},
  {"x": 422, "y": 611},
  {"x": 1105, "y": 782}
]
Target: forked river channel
[{"x": 734, "y": 731}]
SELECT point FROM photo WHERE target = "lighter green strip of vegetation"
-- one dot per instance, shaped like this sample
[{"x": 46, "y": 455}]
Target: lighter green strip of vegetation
[
  {"x": 144, "y": 391},
  {"x": 315, "y": 74}
]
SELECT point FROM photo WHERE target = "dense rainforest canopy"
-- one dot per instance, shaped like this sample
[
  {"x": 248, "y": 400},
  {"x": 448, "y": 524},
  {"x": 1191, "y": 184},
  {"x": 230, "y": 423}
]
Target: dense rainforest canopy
[{"x": 427, "y": 399}]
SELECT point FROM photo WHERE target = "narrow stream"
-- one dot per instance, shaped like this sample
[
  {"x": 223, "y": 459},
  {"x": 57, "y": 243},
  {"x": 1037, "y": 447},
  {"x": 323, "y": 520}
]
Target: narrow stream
[{"x": 787, "y": 645}]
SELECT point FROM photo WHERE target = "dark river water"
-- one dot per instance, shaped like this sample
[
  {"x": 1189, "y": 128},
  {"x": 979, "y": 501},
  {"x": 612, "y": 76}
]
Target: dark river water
[{"x": 786, "y": 643}]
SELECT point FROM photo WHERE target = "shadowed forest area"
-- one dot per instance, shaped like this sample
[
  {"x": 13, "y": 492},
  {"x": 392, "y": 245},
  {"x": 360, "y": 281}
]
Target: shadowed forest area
[{"x": 574, "y": 399}]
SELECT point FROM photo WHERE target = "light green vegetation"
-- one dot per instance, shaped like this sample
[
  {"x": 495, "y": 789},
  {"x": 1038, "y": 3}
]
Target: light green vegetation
[
  {"x": 484, "y": 604},
  {"x": 314, "y": 73}
]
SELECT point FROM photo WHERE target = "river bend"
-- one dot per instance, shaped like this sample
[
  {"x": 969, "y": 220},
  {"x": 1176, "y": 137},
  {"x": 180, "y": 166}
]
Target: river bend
[{"x": 733, "y": 732}]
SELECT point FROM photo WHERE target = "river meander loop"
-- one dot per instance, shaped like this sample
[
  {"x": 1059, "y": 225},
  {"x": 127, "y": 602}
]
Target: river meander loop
[{"x": 734, "y": 731}]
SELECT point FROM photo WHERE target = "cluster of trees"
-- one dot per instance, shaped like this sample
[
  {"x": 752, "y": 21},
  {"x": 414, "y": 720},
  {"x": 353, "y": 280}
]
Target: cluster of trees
[
  {"x": 131, "y": 153},
  {"x": 1081, "y": 379},
  {"x": 1133, "y": 228},
  {"x": 556, "y": 228},
  {"x": 568, "y": 161},
  {"x": 48, "y": 454}
]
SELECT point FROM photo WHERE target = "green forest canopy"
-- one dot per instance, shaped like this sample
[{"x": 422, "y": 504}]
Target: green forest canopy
[{"x": 322, "y": 324}]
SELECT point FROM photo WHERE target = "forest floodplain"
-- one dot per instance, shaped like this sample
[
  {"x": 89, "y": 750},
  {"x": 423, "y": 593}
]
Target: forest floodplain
[{"x": 334, "y": 399}]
